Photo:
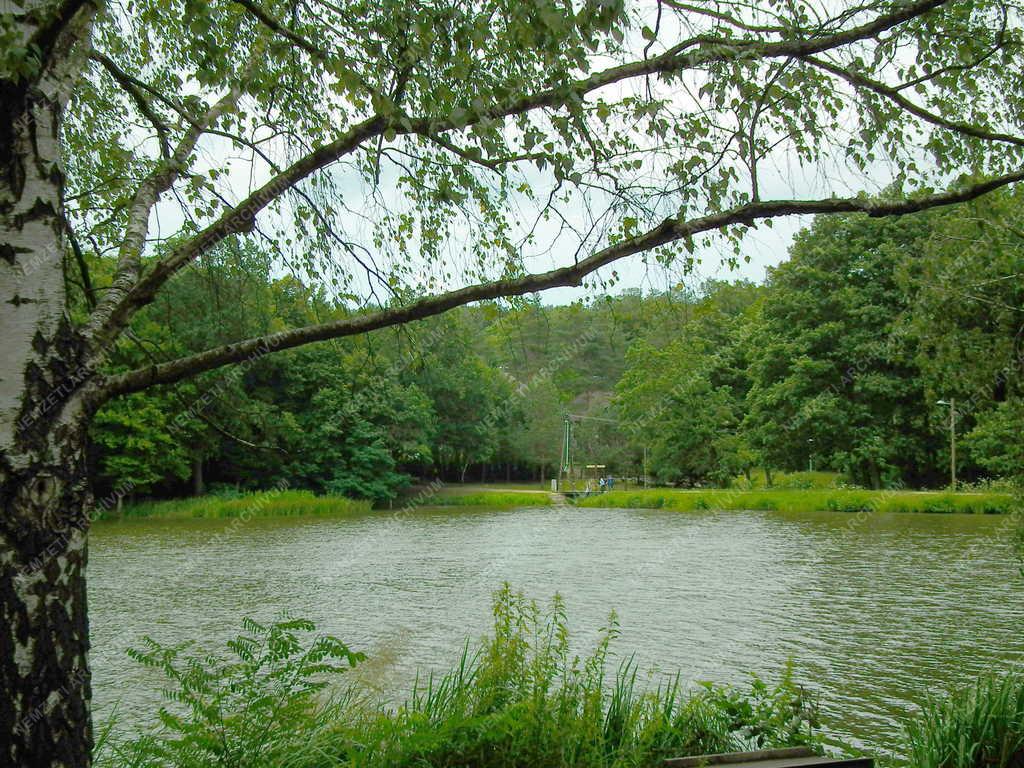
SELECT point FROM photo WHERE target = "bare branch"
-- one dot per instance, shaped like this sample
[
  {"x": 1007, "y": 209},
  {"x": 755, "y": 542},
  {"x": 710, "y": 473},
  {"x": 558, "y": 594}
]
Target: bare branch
[
  {"x": 135, "y": 91},
  {"x": 724, "y": 17},
  {"x": 491, "y": 163},
  {"x": 270, "y": 22},
  {"x": 162, "y": 178},
  {"x": 668, "y": 231},
  {"x": 119, "y": 74},
  {"x": 83, "y": 269},
  {"x": 894, "y": 95}
]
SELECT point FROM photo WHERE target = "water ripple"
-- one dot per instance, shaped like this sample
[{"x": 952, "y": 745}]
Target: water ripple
[{"x": 876, "y": 616}]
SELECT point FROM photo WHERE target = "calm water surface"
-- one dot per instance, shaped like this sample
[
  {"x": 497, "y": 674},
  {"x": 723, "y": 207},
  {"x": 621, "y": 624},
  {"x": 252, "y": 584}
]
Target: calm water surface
[{"x": 876, "y": 614}]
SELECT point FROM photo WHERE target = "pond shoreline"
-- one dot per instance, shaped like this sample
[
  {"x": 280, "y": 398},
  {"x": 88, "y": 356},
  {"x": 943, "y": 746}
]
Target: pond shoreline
[
  {"x": 810, "y": 500},
  {"x": 284, "y": 503}
]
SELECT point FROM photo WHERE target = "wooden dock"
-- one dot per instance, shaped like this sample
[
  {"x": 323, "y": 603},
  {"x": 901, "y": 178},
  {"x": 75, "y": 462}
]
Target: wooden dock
[{"x": 791, "y": 757}]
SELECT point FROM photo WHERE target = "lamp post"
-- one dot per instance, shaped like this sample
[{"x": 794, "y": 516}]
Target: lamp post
[
  {"x": 810, "y": 454},
  {"x": 952, "y": 440}
]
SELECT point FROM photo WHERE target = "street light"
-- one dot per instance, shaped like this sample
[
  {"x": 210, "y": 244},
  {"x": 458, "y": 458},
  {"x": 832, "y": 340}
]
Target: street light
[
  {"x": 810, "y": 454},
  {"x": 952, "y": 440}
]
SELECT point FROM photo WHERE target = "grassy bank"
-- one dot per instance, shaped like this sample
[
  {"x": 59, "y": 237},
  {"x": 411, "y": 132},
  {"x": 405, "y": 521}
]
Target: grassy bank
[
  {"x": 306, "y": 504},
  {"x": 260, "y": 504},
  {"x": 799, "y": 500},
  {"x": 475, "y": 497}
]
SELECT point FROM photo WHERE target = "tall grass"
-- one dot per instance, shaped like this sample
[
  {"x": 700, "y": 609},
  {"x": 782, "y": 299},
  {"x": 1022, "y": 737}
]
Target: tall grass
[
  {"x": 523, "y": 698},
  {"x": 272, "y": 503},
  {"x": 490, "y": 499},
  {"x": 981, "y": 727},
  {"x": 519, "y": 698},
  {"x": 838, "y": 500}
]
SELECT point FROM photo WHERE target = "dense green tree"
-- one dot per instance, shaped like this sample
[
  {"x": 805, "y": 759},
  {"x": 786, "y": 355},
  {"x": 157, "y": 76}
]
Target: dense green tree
[
  {"x": 472, "y": 405},
  {"x": 683, "y": 401},
  {"x": 137, "y": 445},
  {"x": 343, "y": 451},
  {"x": 536, "y": 435},
  {"x": 833, "y": 375},
  {"x": 966, "y": 281},
  {"x": 995, "y": 441}
]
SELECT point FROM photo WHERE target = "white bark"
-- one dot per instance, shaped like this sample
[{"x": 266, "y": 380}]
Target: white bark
[{"x": 44, "y": 671}]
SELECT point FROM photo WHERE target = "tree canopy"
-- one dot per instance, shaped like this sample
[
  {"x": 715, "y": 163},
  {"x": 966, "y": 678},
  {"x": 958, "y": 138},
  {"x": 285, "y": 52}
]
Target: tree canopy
[{"x": 394, "y": 152}]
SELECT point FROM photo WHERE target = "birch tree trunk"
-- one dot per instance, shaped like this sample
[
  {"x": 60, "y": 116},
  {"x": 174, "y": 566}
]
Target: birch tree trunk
[{"x": 44, "y": 670}]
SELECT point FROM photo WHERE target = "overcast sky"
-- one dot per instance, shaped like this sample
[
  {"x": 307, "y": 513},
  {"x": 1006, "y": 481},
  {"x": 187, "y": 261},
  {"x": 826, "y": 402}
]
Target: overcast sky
[{"x": 780, "y": 177}]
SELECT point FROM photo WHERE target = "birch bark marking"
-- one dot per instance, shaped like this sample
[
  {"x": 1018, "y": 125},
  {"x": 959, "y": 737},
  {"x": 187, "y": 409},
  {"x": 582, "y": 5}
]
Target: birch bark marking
[{"x": 44, "y": 672}]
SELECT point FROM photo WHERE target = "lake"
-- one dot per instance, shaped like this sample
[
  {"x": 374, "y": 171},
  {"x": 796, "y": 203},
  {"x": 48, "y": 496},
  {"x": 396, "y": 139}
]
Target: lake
[{"x": 877, "y": 613}]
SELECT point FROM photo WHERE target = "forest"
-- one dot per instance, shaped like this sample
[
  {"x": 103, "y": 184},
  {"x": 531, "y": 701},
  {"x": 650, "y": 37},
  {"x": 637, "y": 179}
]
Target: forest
[{"x": 837, "y": 362}]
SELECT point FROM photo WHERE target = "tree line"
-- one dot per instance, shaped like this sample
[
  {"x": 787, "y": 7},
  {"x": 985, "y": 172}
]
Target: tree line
[{"x": 837, "y": 362}]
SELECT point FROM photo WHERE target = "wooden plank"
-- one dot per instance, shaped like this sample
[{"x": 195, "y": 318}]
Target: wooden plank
[
  {"x": 809, "y": 762},
  {"x": 792, "y": 757},
  {"x": 726, "y": 758}
]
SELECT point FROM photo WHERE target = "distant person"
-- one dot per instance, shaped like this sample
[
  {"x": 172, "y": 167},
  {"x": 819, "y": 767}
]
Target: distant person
[
  {"x": 601, "y": 483},
  {"x": 611, "y": 483}
]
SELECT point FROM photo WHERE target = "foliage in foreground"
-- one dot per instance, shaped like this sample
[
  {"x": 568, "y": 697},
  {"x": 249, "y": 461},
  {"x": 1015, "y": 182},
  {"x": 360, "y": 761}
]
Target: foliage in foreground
[
  {"x": 838, "y": 500},
  {"x": 521, "y": 697},
  {"x": 981, "y": 727},
  {"x": 247, "y": 711}
]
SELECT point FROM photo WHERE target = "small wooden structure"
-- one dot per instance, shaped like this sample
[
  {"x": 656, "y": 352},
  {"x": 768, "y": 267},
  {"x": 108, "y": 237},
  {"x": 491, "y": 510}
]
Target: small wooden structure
[{"x": 790, "y": 757}]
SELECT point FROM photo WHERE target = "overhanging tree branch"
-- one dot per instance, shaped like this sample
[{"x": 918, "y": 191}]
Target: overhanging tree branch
[
  {"x": 692, "y": 53},
  {"x": 668, "y": 231},
  {"x": 128, "y": 80},
  {"x": 239, "y": 219},
  {"x": 270, "y": 22},
  {"x": 895, "y": 95}
]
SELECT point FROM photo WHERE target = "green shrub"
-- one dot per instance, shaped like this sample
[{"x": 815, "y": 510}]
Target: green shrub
[
  {"x": 524, "y": 699},
  {"x": 981, "y": 727},
  {"x": 790, "y": 480},
  {"x": 853, "y": 506},
  {"x": 255, "y": 709}
]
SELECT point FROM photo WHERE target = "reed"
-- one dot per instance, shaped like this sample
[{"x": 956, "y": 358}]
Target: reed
[
  {"x": 979, "y": 727},
  {"x": 797, "y": 500},
  {"x": 272, "y": 503},
  {"x": 489, "y": 499}
]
